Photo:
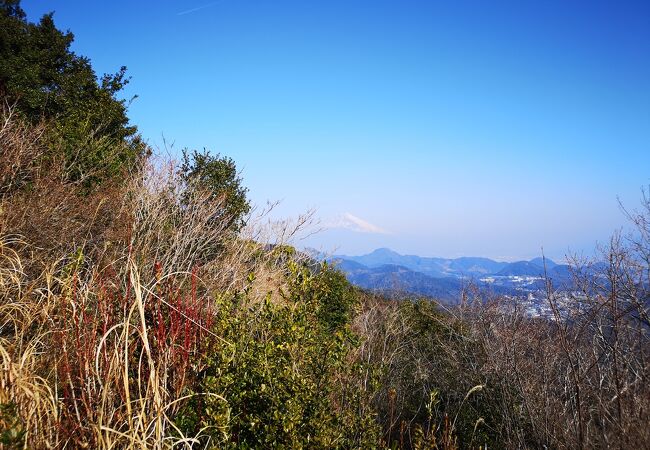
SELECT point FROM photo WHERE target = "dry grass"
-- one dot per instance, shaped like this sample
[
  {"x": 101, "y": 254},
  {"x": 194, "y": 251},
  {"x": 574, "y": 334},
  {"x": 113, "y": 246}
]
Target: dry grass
[{"x": 85, "y": 364}]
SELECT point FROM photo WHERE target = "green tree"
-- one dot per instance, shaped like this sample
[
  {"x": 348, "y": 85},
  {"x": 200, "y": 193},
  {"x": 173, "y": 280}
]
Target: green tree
[
  {"x": 89, "y": 128},
  {"x": 218, "y": 175}
]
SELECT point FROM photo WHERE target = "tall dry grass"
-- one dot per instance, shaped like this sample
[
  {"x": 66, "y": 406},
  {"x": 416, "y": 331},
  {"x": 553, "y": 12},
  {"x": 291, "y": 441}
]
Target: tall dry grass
[
  {"x": 101, "y": 356},
  {"x": 20, "y": 149},
  {"x": 95, "y": 361}
]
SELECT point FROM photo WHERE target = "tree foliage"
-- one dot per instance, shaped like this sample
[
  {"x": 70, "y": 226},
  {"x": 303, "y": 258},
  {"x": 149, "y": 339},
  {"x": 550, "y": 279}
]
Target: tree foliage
[
  {"x": 218, "y": 175},
  {"x": 87, "y": 122}
]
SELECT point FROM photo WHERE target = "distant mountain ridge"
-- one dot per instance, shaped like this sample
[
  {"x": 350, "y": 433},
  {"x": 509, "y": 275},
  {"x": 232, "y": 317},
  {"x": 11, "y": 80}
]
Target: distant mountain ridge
[
  {"x": 445, "y": 267},
  {"x": 388, "y": 271}
]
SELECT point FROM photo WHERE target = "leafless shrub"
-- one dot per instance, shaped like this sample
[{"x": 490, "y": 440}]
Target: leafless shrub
[
  {"x": 421, "y": 369},
  {"x": 183, "y": 229},
  {"x": 579, "y": 377}
]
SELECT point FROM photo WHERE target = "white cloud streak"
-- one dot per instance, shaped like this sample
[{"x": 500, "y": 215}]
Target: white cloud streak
[{"x": 198, "y": 8}]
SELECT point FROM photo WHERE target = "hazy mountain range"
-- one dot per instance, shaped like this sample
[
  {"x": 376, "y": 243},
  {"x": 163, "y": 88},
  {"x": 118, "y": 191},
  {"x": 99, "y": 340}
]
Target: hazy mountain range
[{"x": 388, "y": 271}]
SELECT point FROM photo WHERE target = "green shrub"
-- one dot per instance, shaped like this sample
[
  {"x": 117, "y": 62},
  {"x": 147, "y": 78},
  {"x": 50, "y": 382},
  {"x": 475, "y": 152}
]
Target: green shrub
[
  {"x": 328, "y": 289},
  {"x": 278, "y": 377}
]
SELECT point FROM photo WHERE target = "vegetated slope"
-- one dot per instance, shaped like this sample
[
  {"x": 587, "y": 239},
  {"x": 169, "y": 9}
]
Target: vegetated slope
[
  {"x": 521, "y": 268},
  {"x": 476, "y": 266},
  {"x": 541, "y": 262}
]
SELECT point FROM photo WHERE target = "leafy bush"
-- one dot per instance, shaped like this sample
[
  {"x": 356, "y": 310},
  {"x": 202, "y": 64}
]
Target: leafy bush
[
  {"x": 275, "y": 380},
  {"x": 332, "y": 294}
]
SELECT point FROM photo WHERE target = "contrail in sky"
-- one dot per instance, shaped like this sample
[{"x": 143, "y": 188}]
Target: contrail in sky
[{"x": 198, "y": 8}]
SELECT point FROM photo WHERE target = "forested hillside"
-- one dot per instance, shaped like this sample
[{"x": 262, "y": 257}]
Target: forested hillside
[{"x": 144, "y": 303}]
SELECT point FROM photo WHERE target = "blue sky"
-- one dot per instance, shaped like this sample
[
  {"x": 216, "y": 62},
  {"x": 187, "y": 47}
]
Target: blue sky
[{"x": 458, "y": 128}]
